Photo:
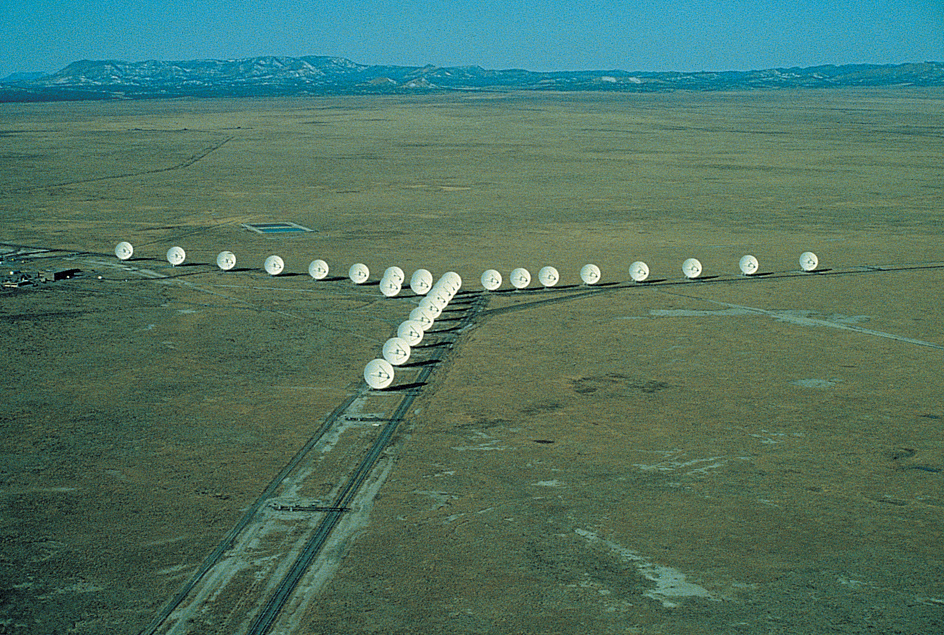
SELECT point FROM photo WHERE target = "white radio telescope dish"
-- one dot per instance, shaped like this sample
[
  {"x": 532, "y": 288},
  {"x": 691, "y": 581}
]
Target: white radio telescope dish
[
  {"x": 491, "y": 279},
  {"x": 421, "y": 281},
  {"x": 808, "y": 261},
  {"x": 123, "y": 250},
  {"x": 748, "y": 265},
  {"x": 274, "y": 265},
  {"x": 318, "y": 269},
  {"x": 176, "y": 256},
  {"x": 520, "y": 278},
  {"x": 394, "y": 272},
  {"x": 411, "y": 331},
  {"x": 358, "y": 273},
  {"x": 378, "y": 374},
  {"x": 548, "y": 276},
  {"x": 691, "y": 268},
  {"x": 389, "y": 287},
  {"x": 424, "y": 316},
  {"x": 454, "y": 280},
  {"x": 638, "y": 271},
  {"x": 441, "y": 296},
  {"x": 590, "y": 274},
  {"x": 396, "y": 351},
  {"x": 432, "y": 305},
  {"x": 226, "y": 260}
]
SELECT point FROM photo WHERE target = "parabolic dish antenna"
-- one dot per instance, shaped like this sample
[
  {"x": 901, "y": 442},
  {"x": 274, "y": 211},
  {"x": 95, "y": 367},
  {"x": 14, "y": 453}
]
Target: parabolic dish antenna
[
  {"x": 396, "y": 351},
  {"x": 318, "y": 269},
  {"x": 748, "y": 265},
  {"x": 394, "y": 272},
  {"x": 421, "y": 281},
  {"x": 808, "y": 261},
  {"x": 691, "y": 268},
  {"x": 491, "y": 279},
  {"x": 358, "y": 273},
  {"x": 176, "y": 256},
  {"x": 441, "y": 296},
  {"x": 226, "y": 260},
  {"x": 378, "y": 374},
  {"x": 389, "y": 287},
  {"x": 454, "y": 280},
  {"x": 638, "y": 271},
  {"x": 424, "y": 316},
  {"x": 548, "y": 276},
  {"x": 274, "y": 265},
  {"x": 123, "y": 250},
  {"x": 430, "y": 304},
  {"x": 520, "y": 278},
  {"x": 590, "y": 274},
  {"x": 411, "y": 331}
]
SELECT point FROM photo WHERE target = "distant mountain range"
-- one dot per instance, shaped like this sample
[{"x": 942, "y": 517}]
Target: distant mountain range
[{"x": 313, "y": 75}]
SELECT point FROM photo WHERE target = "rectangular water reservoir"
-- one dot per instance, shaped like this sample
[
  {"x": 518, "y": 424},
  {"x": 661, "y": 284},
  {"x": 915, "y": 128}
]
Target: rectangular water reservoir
[{"x": 275, "y": 228}]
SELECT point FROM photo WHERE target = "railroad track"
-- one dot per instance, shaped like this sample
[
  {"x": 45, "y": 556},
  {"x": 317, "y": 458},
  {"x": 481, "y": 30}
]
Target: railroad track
[{"x": 228, "y": 593}]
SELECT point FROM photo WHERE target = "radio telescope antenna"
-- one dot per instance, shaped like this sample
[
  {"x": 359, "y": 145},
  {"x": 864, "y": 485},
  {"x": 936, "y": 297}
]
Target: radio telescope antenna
[
  {"x": 491, "y": 279},
  {"x": 421, "y": 281},
  {"x": 453, "y": 280},
  {"x": 395, "y": 273},
  {"x": 226, "y": 260},
  {"x": 638, "y": 271},
  {"x": 808, "y": 261},
  {"x": 123, "y": 250},
  {"x": 389, "y": 287},
  {"x": 590, "y": 274},
  {"x": 520, "y": 278},
  {"x": 176, "y": 256},
  {"x": 432, "y": 305},
  {"x": 691, "y": 268},
  {"x": 424, "y": 316},
  {"x": 748, "y": 265},
  {"x": 318, "y": 269},
  {"x": 274, "y": 265},
  {"x": 396, "y": 351},
  {"x": 411, "y": 331},
  {"x": 358, "y": 273},
  {"x": 378, "y": 374},
  {"x": 548, "y": 276}
]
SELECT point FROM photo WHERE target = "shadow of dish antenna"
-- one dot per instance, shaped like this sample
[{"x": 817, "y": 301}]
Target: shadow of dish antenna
[
  {"x": 274, "y": 265},
  {"x": 808, "y": 261},
  {"x": 226, "y": 260},
  {"x": 318, "y": 269},
  {"x": 378, "y": 374},
  {"x": 590, "y": 274},
  {"x": 358, "y": 273},
  {"x": 124, "y": 250},
  {"x": 548, "y": 276},
  {"x": 692, "y": 268},
  {"x": 639, "y": 271},
  {"x": 176, "y": 256},
  {"x": 748, "y": 265}
]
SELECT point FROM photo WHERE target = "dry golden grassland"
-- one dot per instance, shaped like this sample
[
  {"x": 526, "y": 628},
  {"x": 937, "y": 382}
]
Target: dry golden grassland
[{"x": 777, "y": 441}]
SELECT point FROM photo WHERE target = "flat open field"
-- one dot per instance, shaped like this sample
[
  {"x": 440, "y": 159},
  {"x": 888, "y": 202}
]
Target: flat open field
[{"x": 733, "y": 455}]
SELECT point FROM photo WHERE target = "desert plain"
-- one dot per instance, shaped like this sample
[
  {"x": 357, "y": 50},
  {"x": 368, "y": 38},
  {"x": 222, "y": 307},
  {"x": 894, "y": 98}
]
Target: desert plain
[{"x": 729, "y": 455}]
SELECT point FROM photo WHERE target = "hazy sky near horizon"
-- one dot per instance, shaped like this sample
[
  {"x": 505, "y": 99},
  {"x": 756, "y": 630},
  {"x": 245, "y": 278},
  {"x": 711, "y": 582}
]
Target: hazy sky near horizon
[{"x": 682, "y": 35}]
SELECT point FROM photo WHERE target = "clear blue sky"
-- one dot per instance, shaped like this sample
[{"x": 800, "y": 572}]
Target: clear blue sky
[{"x": 684, "y": 35}]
